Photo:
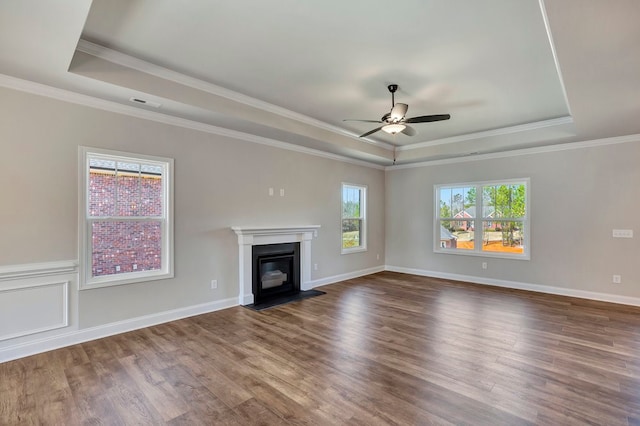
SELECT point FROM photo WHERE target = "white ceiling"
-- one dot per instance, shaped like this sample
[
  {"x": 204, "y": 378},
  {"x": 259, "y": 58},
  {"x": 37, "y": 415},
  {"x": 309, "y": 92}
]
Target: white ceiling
[{"x": 512, "y": 74}]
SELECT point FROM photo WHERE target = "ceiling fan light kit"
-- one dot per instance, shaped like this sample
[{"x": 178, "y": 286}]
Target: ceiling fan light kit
[
  {"x": 392, "y": 129},
  {"x": 394, "y": 121}
]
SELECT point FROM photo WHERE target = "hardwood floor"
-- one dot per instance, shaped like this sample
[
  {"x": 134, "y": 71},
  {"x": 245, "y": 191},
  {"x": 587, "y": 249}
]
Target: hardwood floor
[{"x": 388, "y": 348}]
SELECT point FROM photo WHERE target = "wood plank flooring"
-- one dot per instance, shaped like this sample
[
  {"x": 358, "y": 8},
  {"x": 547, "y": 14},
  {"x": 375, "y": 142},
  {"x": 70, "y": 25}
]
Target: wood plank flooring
[{"x": 384, "y": 349}]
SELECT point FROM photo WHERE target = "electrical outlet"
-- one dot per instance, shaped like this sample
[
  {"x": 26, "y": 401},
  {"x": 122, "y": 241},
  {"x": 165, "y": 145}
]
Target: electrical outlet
[
  {"x": 214, "y": 284},
  {"x": 623, "y": 233},
  {"x": 315, "y": 266},
  {"x": 282, "y": 192},
  {"x": 484, "y": 265},
  {"x": 617, "y": 279},
  {"x": 378, "y": 256},
  {"x": 271, "y": 192}
]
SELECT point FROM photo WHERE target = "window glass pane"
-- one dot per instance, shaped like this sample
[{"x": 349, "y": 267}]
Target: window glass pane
[
  {"x": 465, "y": 235},
  {"x": 150, "y": 195},
  {"x": 503, "y": 201},
  {"x": 503, "y": 236},
  {"x": 102, "y": 191},
  {"x": 351, "y": 233},
  {"x": 126, "y": 246},
  {"x": 447, "y": 237},
  {"x": 350, "y": 201},
  {"x": 457, "y": 202},
  {"x": 128, "y": 192},
  {"x": 129, "y": 167},
  {"x": 134, "y": 189}
]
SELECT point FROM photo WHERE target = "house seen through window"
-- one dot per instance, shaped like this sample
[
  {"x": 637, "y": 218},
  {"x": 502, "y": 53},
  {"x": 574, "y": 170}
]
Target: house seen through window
[{"x": 489, "y": 218}]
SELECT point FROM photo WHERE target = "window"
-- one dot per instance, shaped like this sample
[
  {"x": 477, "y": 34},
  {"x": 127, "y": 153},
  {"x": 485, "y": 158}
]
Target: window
[
  {"x": 493, "y": 224},
  {"x": 353, "y": 218},
  {"x": 126, "y": 225}
]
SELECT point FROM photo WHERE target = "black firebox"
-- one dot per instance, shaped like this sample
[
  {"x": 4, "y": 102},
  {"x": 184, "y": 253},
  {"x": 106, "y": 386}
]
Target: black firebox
[{"x": 276, "y": 271}]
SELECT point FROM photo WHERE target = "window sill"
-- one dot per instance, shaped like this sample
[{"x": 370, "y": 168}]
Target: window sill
[
  {"x": 524, "y": 256},
  {"x": 353, "y": 250},
  {"x": 123, "y": 279}
]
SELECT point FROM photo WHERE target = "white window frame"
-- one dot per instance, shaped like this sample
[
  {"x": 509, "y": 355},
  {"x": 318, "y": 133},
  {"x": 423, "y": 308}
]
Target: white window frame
[
  {"x": 478, "y": 221},
  {"x": 363, "y": 217},
  {"x": 86, "y": 281}
]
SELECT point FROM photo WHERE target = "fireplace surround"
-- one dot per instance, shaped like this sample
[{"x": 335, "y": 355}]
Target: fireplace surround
[{"x": 250, "y": 236}]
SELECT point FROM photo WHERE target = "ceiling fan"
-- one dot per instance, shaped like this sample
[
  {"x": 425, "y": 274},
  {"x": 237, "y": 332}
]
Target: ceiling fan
[{"x": 395, "y": 120}]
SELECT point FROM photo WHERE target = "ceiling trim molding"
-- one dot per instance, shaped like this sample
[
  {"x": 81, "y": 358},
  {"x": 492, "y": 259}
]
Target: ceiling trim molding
[
  {"x": 537, "y": 125},
  {"x": 146, "y": 67},
  {"x": 525, "y": 151},
  {"x": 111, "y": 106},
  {"x": 547, "y": 28}
]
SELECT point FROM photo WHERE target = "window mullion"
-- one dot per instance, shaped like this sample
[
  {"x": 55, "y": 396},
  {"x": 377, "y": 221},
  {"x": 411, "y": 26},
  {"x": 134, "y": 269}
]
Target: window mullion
[{"x": 479, "y": 224}]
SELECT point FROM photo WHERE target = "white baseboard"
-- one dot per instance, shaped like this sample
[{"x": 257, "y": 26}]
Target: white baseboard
[
  {"x": 84, "y": 335},
  {"x": 347, "y": 276},
  {"x": 539, "y": 288},
  {"x": 73, "y": 337}
]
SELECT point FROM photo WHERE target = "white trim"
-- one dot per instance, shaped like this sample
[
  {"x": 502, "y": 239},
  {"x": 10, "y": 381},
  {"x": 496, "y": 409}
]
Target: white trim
[
  {"x": 31, "y": 270},
  {"x": 273, "y": 230},
  {"x": 347, "y": 276},
  {"x": 552, "y": 45},
  {"x": 105, "y": 105},
  {"x": 538, "y": 288},
  {"x": 479, "y": 220},
  {"x": 128, "y": 61},
  {"x": 526, "y": 151},
  {"x": 79, "y": 336},
  {"x": 363, "y": 217},
  {"x": 64, "y": 308},
  {"x": 490, "y": 133},
  {"x": 248, "y": 236}
]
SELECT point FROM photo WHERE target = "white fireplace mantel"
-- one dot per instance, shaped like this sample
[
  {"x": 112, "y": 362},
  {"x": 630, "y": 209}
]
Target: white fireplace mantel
[{"x": 249, "y": 236}]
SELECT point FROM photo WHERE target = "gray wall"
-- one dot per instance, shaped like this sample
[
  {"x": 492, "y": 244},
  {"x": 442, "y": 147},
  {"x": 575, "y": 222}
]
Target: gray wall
[
  {"x": 219, "y": 183},
  {"x": 576, "y": 198}
]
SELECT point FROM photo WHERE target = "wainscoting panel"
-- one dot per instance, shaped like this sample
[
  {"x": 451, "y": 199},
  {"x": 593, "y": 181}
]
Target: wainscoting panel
[
  {"x": 33, "y": 308},
  {"x": 38, "y": 304}
]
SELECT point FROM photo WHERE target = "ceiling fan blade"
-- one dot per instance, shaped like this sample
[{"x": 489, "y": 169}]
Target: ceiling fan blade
[
  {"x": 371, "y": 131},
  {"x": 428, "y": 118},
  {"x": 363, "y": 121},
  {"x": 409, "y": 131},
  {"x": 398, "y": 111}
]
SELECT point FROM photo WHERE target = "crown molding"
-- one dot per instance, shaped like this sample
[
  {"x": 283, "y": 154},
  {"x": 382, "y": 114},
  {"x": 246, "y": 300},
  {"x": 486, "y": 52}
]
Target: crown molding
[
  {"x": 111, "y": 106},
  {"x": 128, "y": 61},
  {"x": 519, "y": 152},
  {"x": 547, "y": 28},
  {"x": 97, "y": 103},
  {"x": 537, "y": 125}
]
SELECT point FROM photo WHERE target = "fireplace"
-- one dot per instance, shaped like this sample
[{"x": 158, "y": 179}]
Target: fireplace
[
  {"x": 252, "y": 236},
  {"x": 276, "y": 271}
]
